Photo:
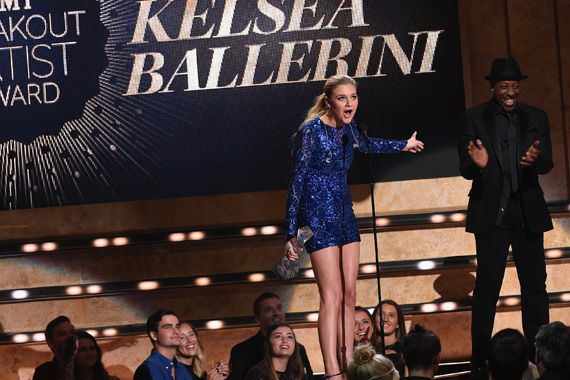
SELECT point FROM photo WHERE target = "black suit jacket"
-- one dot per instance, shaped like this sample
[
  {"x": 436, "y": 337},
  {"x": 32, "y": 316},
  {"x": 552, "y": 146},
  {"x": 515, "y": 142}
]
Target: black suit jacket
[{"x": 485, "y": 196}]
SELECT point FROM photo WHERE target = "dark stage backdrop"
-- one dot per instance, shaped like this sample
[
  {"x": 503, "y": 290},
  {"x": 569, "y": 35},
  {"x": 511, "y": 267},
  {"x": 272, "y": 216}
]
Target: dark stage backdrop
[{"x": 118, "y": 100}]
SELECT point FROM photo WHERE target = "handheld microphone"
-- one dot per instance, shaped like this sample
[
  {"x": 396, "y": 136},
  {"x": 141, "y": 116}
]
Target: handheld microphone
[{"x": 363, "y": 129}]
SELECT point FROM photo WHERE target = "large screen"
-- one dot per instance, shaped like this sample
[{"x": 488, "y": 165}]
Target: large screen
[{"x": 118, "y": 100}]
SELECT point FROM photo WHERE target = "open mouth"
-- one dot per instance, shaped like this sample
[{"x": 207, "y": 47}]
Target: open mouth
[
  {"x": 284, "y": 347},
  {"x": 509, "y": 102},
  {"x": 347, "y": 114}
]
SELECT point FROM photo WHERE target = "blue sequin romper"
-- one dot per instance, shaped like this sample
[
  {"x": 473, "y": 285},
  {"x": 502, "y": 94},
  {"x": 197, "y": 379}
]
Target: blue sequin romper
[{"x": 318, "y": 192}]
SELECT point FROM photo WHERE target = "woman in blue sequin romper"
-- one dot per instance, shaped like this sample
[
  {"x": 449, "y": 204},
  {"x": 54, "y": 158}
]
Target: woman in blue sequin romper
[{"x": 319, "y": 198}]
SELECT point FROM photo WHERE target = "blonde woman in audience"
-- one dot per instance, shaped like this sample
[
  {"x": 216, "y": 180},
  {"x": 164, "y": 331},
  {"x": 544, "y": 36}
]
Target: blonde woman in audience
[
  {"x": 191, "y": 353},
  {"x": 368, "y": 365},
  {"x": 363, "y": 327}
]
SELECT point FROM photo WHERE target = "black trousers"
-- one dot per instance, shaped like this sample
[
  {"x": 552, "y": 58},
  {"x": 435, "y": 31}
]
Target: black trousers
[{"x": 528, "y": 255}]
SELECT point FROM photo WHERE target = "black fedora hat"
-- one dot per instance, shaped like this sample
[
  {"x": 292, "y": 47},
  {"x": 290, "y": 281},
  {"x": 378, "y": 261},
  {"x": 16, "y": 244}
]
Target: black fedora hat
[{"x": 505, "y": 69}]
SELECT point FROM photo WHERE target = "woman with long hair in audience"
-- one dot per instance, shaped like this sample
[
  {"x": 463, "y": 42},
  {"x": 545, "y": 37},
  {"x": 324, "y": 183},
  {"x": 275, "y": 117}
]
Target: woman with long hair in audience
[
  {"x": 281, "y": 360},
  {"x": 368, "y": 365},
  {"x": 319, "y": 198},
  {"x": 86, "y": 363},
  {"x": 191, "y": 354},
  {"x": 363, "y": 328},
  {"x": 394, "y": 332}
]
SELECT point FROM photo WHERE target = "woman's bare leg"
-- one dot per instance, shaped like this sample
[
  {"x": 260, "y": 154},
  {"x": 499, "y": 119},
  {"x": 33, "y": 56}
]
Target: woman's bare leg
[
  {"x": 350, "y": 261},
  {"x": 326, "y": 266}
]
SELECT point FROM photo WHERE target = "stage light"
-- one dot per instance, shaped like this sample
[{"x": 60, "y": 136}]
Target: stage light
[
  {"x": 511, "y": 301},
  {"x": 20, "y": 294},
  {"x": 457, "y": 217},
  {"x": 369, "y": 268},
  {"x": 554, "y": 254},
  {"x": 309, "y": 274},
  {"x": 100, "y": 243},
  {"x": 39, "y": 337},
  {"x": 214, "y": 325},
  {"x": 437, "y": 218},
  {"x": 110, "y": 332},
  {"x": 95, "y": 333},
  {"x": 29, "y": 248},
  {"x": 250, "y": 231},
  {"x": 565, "y": 297},
  {"x": 120, "y": 241},
  {"x": 426, "y": 265},
  {"x": 428, "y": 308},
  {"x": 381, "y": 222},
  {"x": 448, "y": 306},
  {"x": 203, "y": 281},
  {"x": 94, "y": 289},
  {"x": 196, "y": 235},
  {"x": 148, "y": 285},
  {"x": 177, "y": 237},
  {"x": 74, "y": 290},
  {"x": 49, "y": 246},
  {"x": 256, "y": 277},
  {"x": 20, "y": 338},
  {"x": 269, "y": 230},
  {"x": 313, "y": 317}
]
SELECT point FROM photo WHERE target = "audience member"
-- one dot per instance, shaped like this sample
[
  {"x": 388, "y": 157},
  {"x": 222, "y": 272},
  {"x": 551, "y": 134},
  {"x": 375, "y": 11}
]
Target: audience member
[
  {"x": 368, "y": 365},
  {"x": 507, "y": 356},
  {"x": 59, "y": 335},
  {"x": 87, "y": 359},
  {"x": 362, "y": 326},
  {"x": 268, "y": 311},
  {"x": 281, "y": 360},
  {"x": 421, "y": 352},
  {"x": 553, "y": 351},
  {"x": 394, "y": 332},
  {"x": 191, "y": 354},
  {"x": 163, "y": 330}
]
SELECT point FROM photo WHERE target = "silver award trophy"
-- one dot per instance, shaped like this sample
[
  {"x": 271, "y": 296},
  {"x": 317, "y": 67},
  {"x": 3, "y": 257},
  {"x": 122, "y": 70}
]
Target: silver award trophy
[{"x": 286, "y": 269}]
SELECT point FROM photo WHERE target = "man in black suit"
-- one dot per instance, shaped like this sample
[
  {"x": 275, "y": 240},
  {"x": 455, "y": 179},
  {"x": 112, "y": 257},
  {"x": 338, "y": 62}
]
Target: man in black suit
[{"x": 503, "y": 146}]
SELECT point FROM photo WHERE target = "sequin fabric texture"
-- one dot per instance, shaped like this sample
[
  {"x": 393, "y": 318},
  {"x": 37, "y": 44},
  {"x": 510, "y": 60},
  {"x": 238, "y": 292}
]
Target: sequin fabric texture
[{"x": 318, "y": 192}]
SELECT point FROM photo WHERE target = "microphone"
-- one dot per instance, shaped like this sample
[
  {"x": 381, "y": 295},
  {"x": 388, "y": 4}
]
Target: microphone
[{"x": 363, "y": 129}]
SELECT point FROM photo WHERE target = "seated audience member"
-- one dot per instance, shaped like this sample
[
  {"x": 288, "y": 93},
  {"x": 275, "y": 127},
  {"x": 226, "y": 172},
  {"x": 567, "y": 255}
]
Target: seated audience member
[
  {"x": 368, "y": 365},
  {"x": 394, "y": 332},
  {"x": 191, "y": 354},
  {"x": 421, "y": 352},
  {"x": 362, "y": 326},
  {"x": 281, "y": 359},
  {"x": 268, "y": 311},
  {"x": 163, "y": 329},
  {"x": 87, "y": 361},
  {"x": 553, "y": 351},
  {"x": 507, "y": 355},
  {"x": 59, "y": 338}
]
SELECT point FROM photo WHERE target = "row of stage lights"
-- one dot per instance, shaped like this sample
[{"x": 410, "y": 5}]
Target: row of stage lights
[
  {"x": 306, "y": 274},
  {"x": 292, "y": 318},
  {"x": 366, "y": 223}
]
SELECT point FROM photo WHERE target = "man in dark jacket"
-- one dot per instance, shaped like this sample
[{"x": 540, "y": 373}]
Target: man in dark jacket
[
  {"x": 268, "y": 311},
  {"x": 503, "y": 146}
]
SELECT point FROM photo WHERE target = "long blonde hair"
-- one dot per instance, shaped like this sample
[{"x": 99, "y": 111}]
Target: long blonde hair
[
  {"x": 320, "y": 108},
  {"x": 368, "y": 365},
  {"x": 199, "y": 361}
]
